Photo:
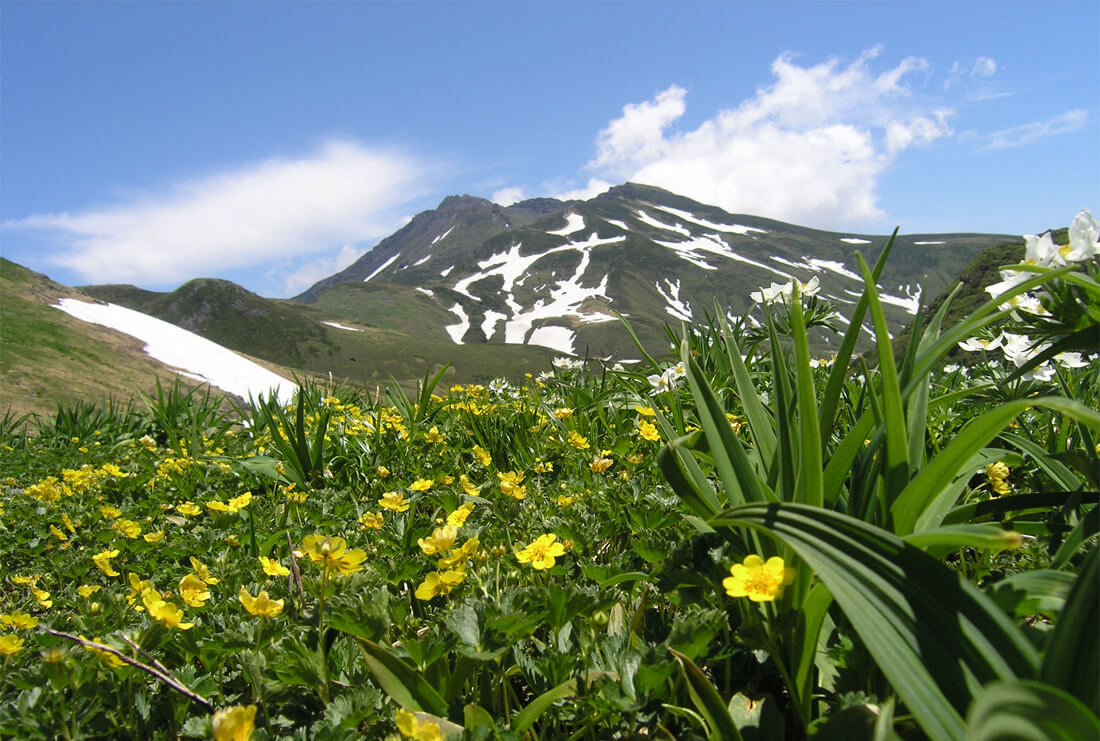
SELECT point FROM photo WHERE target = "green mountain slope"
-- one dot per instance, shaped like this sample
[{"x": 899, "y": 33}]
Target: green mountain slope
[{"x": 47, "y": 356}]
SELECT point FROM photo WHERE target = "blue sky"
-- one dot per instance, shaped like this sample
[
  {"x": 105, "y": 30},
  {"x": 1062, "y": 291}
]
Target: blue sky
[{"x": 273, "y": 143}]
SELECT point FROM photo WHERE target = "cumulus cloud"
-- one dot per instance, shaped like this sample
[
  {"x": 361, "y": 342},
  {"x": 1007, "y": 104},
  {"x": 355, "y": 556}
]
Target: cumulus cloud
[
  {"x": 1018, "y": 136},
  {"x": 273, "y": 210},
  {"x": 808, "y": 148},
  {"x": 593, "y": 188},
  {"x": 508, "y": 196}
]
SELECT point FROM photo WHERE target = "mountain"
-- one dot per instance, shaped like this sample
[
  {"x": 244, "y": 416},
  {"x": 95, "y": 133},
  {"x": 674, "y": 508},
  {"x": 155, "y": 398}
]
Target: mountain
[{"x": 555, "y": 273}]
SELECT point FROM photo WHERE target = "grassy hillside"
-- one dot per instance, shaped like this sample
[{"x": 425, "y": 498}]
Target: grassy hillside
[{"x": 47, "y": 356}]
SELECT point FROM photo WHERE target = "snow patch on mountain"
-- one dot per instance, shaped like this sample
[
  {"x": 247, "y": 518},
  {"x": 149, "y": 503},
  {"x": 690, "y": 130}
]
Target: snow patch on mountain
[
  {"x": 422, "y": 260},
  {"x": 929, "y": 242},
  {"x": 446, "y": 271},
  {"x": 651, "y": 221},
  {"x": 673, "y": 304},
  {"x": 713, "y": 244},
  {"x": 855, "y": 240},
  {"x": 733, "y": 228},
  {"x": 458, "y": 331},
  {"x": 442, "y": 236},
  {"x": 621, "y": 224},
  {"x": 425, "y": 291},
  {"x": 342, "y": 326},
  {"x": 557, "y": 338},
  {"x": 832, "y": 266},
  {"x": 489, "y": 324},
  {"x": 195, "y": 356},
  {"x": 574, "y": 222},
  {"x": 382, "y": 267}
]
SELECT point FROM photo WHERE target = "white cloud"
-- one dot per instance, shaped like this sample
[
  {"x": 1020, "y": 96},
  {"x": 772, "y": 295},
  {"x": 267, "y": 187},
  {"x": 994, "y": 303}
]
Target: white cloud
[
  {"x": 983, "y": 67},
  {"x": 268, "y": 211},
  {"x": 594, "y": 187},
  {"x": 1017, "y": 136},
  {"x": 809, "y": 148},
  {"x": 309, "y": 273},
  {"x": 507, "y": 196}
]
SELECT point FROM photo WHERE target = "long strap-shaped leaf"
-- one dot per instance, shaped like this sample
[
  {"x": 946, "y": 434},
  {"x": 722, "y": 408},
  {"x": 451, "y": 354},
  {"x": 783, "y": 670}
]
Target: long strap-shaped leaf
[
  {"x": 896, "y": 472},
  {"x": 919, "y": 505},
  {"x": 1072, "y": 662},
  {"x": 933, "y": 635}
]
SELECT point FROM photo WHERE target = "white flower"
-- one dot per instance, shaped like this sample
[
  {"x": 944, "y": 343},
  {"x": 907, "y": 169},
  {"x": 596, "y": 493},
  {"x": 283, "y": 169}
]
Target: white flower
[
  {"x": 1039, "y": 250},
  {"x": 1044, "y": 372},
  {"x": 564, "y": 363},
  {"x": 1084, "y": 238},
  {"x": 1071, "y": 360},
  {"x": 1019, "y": 349},
  {"x": 784, "y": 291},
  {"x": 977, "y": 344},
  {"x": 668, "y": 380}
]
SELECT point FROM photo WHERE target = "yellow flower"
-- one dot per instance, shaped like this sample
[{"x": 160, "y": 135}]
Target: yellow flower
[
  {"x": 87, "y": 590},
  {"x": 126, "y": 528},
  {"x": 261, "y": 605},
  {"x": 434, "y": 436},
  {"x": 382, "y": 472},
  {"x": 563, "y": 413},
  {"x": 544, "y": 467},
  {"x": 442, "y": 538},
  {"x": 436, "y": 583},
  {"x": 42, "y": 596},
  {"x": 446, "y": 479},
  {"x": 68, "y": 523},
  {"x": 193, "y": 591},
  {"x": 19, "y": 620},
  {"x": 333, "y": 555},
  {"x": 997, "y": 473},
  {"x": 468, "y": 486},
  {"x": 416, "y": 729},
  {"x": 234, "y": 724},
  {"x": 459, "y": 555},
  {"x": 139, "y": 588},
  {"x": 56, "y": 532},
  {"x": 458, "y": 517},
  {"x": 648, "y": 431},
  {"x": 510, "y": 484},
  {"x": 109, "y": 512},
  {"x": 154, "y": 537},
  {"x": 646, "y": 411},
  {"x": 238, "y": 503},
  {"x": 202, "y": 571},
  {"x": 421, "y": 485},
  {"x": 10, "y": 645},
  {"x": 599, "y": 465},
  {"x": 541, "y": 552},
  {"x": 564, "y": 500},
  {"x": 188, "y": 508},
  {"x": 394, "y": 501},
  {"x": 166, "y": 613},
  {"x": 759, "y": 580},
  {"x": 273, "y": 567},
  {"x": 370, "y": 521},
  {"x": 482, "y": 456},
  {"x": 107, "y": 656},
  {"x": 578, "y": 441}
]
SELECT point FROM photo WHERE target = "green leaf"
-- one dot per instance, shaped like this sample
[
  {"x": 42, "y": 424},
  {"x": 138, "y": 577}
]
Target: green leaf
[
  {"x": 525, "y": 718},
  {"x": 983, "y": 536},
  {"x": 927, "y": 486},
  {"x": 1072, "y": 661},
  {"x": 830, "y": 400},
  {"x": 1029, "y": 592},
  {"x": 932, "y": 634},
  {"x": 739, "y": 481},
  {"x": 707, "y": 701},
  {"x": 810, "y": 485},
  {"x": 896, "y": 473},
  {"x": 1026, "y": 710},
  {"x": 760, "y": 424},
  {"x": 401, "y": 681}
]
